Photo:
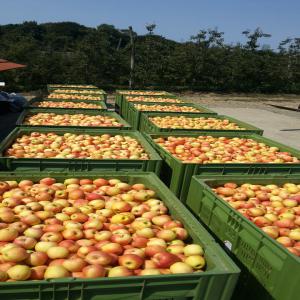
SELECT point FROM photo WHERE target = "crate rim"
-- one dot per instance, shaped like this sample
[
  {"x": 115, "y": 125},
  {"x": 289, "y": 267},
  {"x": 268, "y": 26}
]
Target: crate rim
[
  {"x": 68, "y": 84},
  {"x": 81, "y": 94},
  {"x": 149, "y": 137},
  {"x": 195, "y": 276},
  {"x": 198, "y": 115},
  {"x": 32, "y": 111},
  {"x": 191, "y": 104},
  {"x": 133, "y": 133},
  {"x": 123, "y": 92},
  {"x": 67, "y": 87},
  {"x": 87, "y": 92},
  {"x": 171, "y": 96},
  {"x": 100, "y": 98},
  {"x": 100, "y": 103}
]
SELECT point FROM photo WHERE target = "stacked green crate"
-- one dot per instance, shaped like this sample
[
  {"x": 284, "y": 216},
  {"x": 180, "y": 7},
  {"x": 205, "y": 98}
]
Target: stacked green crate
[
  {"x": 78, "y": 164},
  {"x": 178, "y": 175},
  {"x": 216, "y": 282},
  {"x": 83, "y": 92},
  {"x": 146, "y": 125},
  {"x": 263, "y": 260},
  {"x": 51, "y": 87},
  {"x": 272, "y": 265},
  {"x": 121, "y": 95},
  {"x": 72, "y": 88},
  {"x": 147, "y": 99},
  {"x": 269, "y": 267}
]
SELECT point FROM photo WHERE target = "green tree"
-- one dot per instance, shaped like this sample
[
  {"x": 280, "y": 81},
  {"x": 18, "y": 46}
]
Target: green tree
[{"x": 68, "y": 52}]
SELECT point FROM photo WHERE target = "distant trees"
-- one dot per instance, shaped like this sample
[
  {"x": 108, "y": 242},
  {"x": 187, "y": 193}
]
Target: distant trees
[
  {"x": 150, "y": 28},
  {"x": 252, "y": 43},
  {"x": 68, "y": 52}
]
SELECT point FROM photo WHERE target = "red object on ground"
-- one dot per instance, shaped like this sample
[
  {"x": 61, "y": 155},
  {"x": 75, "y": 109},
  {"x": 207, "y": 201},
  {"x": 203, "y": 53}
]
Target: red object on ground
[{"x": 8, "y": 65}]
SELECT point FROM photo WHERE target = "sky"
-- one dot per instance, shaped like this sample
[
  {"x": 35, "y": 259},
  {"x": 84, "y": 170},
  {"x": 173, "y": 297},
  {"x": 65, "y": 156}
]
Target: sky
[{"x": 175, "y": 19}]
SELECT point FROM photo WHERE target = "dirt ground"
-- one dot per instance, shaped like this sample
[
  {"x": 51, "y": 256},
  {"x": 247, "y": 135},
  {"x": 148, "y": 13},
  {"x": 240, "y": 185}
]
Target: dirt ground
[{"x": 278, "y": 124}]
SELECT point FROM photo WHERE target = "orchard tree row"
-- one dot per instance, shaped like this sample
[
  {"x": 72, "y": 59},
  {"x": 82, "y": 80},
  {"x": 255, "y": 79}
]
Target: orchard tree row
[{"x": 71, "y": 53}]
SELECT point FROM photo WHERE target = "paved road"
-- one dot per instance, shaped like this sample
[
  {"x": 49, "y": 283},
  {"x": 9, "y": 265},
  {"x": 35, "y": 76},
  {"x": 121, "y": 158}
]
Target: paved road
[{"x": 277, "y": 126}]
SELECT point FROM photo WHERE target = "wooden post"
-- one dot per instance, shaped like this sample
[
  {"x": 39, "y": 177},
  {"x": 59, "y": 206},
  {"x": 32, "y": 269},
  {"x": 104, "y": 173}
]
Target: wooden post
[{"x": 132, "y": 44}]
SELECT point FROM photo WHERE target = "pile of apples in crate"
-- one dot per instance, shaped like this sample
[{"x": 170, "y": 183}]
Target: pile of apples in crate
[
  {"x": 183, "y": 122},
  {"x": 65, "y": 104},
  {"x": 153, "y": 99},
  {"x": 73, "y": 97},
  {"x": 69, "y": 145},
  {"x": 70, "y": 91},
  {"x": 88, "y": 229},
  {"x": 170, "y": 108},
  {"x": 48, "y": 119},
  {"x": 145, "y": 93},
  {"x": 275, "y": 209},
  {"x": 209, "y": 149},
  {"x": 69, "y": 86}
]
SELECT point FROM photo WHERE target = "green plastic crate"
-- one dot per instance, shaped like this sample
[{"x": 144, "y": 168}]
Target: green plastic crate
[
  {"x": 58, "y": 164},
  {"x": 148, "y": 126},
  {"x": 125, "y": 102},
  {"x": 142, "y": 93},
  {"x": 217, "y": 282},
  {"x": 133, "y": 116},
  {"x": 177, "y": 175},
  {"x": 101, "y": 104},
  {"x": 271, "y": 264},
  {"x": 86, "y": 91},
  {"x": 102, "y": 94},
  {"x": 27, "y": 112},
  {"x": 120, "y": 94},
  {"x": 99, "y": 97},
  {"x": 67, "y": 85},
  {"x": 51, "y": 87}
]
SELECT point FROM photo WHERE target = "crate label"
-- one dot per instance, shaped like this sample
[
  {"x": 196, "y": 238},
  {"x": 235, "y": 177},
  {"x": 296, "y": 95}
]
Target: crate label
[{"x": 228, "y": 245}]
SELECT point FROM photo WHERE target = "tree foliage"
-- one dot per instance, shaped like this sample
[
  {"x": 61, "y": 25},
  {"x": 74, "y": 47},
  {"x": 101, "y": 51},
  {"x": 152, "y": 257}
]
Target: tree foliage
[{"x": 67, "y": 52}]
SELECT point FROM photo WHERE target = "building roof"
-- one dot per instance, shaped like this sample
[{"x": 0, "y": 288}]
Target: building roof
[{"x": 8, "y": 65}]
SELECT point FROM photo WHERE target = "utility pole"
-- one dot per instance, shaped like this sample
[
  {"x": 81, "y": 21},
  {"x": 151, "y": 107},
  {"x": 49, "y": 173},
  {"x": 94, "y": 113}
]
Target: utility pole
[{"x": 132, "y": 44}]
